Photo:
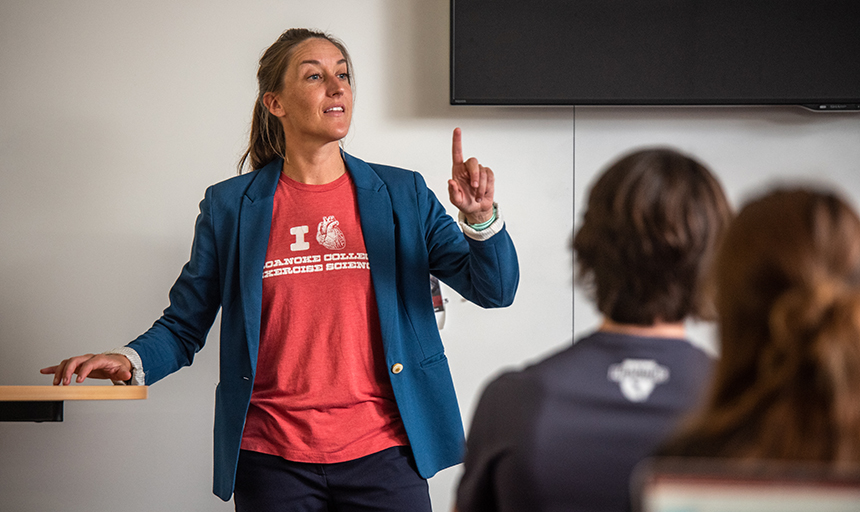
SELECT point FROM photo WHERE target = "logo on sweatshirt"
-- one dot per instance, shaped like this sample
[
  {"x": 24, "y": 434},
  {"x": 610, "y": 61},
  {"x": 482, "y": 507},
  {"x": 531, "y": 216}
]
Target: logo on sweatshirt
[{"x": 638, "y": 377}]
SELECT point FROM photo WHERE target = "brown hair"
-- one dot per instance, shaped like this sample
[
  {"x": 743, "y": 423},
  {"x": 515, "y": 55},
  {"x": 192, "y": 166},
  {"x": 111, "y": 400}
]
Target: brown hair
[
  {"x": 267, "y": 135},
  {"x": 652, "y": 222},
  {"x": 788, "y": 302}
]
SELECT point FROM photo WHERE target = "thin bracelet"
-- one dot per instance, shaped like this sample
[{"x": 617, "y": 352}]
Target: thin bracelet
[{"x": 484, "y": 225}]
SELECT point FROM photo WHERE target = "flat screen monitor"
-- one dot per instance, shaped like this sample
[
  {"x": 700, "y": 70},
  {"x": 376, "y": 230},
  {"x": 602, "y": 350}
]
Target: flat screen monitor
[{"x": 656, "y": 52}]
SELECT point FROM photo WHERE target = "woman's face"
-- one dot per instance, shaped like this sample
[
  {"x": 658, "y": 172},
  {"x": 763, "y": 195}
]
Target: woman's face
[{"x": 315, "y": 104}]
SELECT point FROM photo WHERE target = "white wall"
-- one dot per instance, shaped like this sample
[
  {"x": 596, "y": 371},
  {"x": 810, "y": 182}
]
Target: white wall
[{"x": 116, "y": 115}]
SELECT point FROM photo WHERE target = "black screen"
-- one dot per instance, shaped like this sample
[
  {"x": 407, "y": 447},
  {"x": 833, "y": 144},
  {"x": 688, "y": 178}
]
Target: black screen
[{"x": 656, "y": 52}]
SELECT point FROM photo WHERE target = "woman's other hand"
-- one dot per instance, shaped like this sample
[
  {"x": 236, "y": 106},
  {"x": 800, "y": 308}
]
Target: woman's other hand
[
  {"x": 471, "y": 186},
  {"x": 95, "y": 366}
]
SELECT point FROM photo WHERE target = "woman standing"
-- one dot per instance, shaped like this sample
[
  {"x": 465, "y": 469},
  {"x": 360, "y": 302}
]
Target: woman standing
[{"x": 335, "y": 393}]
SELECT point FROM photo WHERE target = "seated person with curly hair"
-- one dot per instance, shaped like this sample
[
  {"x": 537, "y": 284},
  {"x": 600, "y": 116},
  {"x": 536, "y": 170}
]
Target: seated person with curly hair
[{"x": 565, "y": 433}]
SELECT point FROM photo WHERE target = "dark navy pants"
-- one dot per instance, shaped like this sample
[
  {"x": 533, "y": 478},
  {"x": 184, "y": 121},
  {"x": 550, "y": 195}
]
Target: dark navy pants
[{"x": 384, "y": 481}]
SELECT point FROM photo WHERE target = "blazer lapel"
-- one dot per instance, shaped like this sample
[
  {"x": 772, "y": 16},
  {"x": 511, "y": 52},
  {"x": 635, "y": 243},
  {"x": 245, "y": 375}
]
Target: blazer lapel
[
  {"x": 255, "y": 223},
  {"x": 377, "y": 224}
]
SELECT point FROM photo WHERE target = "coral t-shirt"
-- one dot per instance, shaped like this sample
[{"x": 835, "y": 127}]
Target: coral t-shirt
[{"x": 321, "y": 392}]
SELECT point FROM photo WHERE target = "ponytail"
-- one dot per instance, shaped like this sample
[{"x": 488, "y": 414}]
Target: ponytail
[
  {"x": 266, "y": 140},
  {"x": 837, "y": 351}
]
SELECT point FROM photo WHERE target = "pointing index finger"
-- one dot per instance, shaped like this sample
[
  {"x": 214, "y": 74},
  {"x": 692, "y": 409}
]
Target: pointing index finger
[{"x": 457, "y": 149}]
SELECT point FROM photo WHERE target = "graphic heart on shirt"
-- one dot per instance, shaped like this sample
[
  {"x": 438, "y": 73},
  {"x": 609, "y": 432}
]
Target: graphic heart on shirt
[{"x": 329, "y": 235}]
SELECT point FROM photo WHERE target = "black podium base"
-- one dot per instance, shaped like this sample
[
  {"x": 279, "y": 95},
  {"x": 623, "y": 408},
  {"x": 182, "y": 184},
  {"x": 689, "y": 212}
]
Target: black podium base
[{"x": 38, "y": 411}]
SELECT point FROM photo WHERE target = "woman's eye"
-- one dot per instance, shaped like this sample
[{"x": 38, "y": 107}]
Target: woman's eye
[
  {"x": 343, "y": 76},
  {"x": 315, "y": 76}
]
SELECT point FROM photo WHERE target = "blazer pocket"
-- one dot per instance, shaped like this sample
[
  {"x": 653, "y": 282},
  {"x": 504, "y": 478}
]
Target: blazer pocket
[{"x": 434, "y": 360}]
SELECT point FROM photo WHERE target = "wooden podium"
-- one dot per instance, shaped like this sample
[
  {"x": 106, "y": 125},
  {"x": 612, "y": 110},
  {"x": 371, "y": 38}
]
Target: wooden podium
[{"x": 45, "y": 403}]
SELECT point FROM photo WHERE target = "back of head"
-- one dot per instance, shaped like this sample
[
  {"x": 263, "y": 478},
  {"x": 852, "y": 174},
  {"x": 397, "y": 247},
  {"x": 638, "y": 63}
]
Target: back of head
[
  {"x": 788, "y": 302},
  {"x": 652, "y": 222}
]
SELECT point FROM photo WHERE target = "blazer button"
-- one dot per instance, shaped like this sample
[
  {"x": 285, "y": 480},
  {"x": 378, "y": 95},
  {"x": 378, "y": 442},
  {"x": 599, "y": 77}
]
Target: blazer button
[{"x": 397, "y": 368}]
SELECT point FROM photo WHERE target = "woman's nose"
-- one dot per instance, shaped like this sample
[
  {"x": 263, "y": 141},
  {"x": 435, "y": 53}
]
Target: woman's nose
[{"x": 335, "y": 87}]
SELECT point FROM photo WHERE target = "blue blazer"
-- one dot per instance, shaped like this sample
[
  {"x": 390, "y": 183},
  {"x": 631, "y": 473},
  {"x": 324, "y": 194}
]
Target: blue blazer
[{"x": 408, "y": 236}]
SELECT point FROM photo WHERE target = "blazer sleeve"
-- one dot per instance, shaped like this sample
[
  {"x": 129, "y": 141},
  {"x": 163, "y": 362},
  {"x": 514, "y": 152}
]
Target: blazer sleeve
[
  {"x": 180, "y": 333},
  {"x": 485, "y": 272}
]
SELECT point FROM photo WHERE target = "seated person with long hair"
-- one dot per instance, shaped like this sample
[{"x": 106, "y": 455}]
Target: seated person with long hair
[
  {"x": 786, "y": 386},
  {"x": 565, "y": 433}
]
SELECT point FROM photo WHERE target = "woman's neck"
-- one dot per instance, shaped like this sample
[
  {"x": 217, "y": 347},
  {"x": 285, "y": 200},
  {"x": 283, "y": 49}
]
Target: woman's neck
[
  {"x": 316, "y": 167},
  {"x": 657, "y": 330}
]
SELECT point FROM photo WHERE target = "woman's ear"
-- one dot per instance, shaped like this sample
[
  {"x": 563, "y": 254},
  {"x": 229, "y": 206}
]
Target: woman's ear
[{"x": 273, "y": 105}]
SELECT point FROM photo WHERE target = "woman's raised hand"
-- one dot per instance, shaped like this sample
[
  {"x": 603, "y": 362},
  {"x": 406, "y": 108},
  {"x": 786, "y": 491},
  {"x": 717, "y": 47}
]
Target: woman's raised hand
[
  {"x": 95, "y": 366},
  {"x": 471, "y": 186}
]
